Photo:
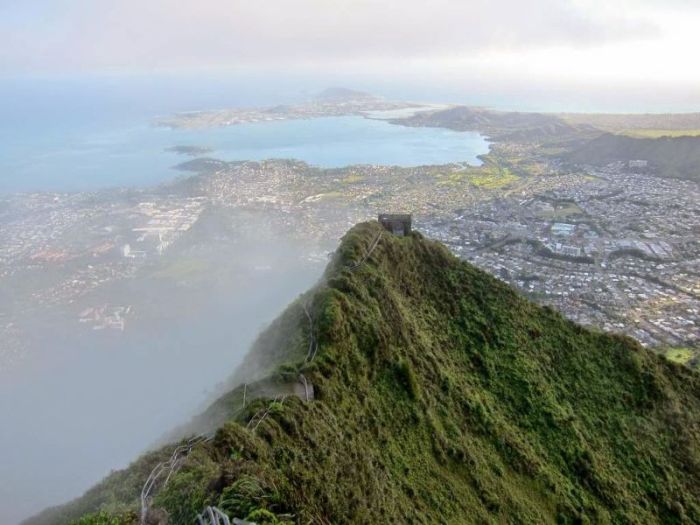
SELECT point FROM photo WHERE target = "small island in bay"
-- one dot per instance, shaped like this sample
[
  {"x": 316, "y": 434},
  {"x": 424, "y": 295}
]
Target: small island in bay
[{"x": 191, "y": 151}]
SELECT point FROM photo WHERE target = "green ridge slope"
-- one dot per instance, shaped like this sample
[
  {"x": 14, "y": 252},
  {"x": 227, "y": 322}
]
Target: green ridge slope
[{"x": 441, "y": 396}]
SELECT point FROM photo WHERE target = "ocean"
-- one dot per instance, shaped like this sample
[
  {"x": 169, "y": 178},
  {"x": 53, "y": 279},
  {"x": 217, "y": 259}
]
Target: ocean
[{"x": 73, "y": 135}]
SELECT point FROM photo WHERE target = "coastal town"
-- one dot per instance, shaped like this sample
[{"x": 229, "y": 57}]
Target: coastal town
[
  {"x": 615, "y": 247},
  {"x": 332, "y": 102},
  {"x": 630, "y": 266}
]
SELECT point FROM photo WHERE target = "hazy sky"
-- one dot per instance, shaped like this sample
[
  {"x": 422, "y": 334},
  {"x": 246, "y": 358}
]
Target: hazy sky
[{"x": 591, "y": 41}]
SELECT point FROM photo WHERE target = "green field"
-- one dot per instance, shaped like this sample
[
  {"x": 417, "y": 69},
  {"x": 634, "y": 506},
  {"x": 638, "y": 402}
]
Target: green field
[
  {"x": 562, "y": 211},
  {"x": 493, "y": 178},
  {"x": 658, "y": 133},
  {"x": 352, "y": 179},
  {"x": 488, "y": 177},
  {"x": 680, "y": 355}
]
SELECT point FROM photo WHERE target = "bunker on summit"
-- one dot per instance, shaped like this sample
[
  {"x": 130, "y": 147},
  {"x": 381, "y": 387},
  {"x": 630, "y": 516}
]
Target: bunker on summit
[{"x": 397, "y": 223}]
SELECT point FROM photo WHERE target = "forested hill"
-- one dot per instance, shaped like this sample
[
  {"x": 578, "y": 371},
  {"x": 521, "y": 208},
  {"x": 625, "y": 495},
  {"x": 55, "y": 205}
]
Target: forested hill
[
  {"x": 434, "y": 394},
  {"x": 667, "y": 156},
  {"x": 502, "y": 125}
]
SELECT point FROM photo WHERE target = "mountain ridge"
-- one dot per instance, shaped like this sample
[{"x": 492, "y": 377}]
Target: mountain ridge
[
  {"x": 440, "y": 395},
  {"x": 668, "y": 156}
]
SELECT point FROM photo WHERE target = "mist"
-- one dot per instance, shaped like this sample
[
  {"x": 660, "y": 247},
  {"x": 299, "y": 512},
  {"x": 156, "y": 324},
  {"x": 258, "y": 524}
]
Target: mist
[{"x": 83, "y": 402}]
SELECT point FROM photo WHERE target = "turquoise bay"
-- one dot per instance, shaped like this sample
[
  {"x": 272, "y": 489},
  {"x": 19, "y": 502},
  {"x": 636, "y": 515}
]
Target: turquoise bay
[{"x": 98, "y": 157}]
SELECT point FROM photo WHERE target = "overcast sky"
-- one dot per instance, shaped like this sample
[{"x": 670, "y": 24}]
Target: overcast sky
[{"x": 574, "y": 40}]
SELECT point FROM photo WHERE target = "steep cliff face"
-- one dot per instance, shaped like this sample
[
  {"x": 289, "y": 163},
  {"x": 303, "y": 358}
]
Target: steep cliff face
[{"x": 439, "y": 396}]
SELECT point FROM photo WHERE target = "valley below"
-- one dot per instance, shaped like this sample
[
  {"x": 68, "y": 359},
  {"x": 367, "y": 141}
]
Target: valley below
[{"x": 154, "y": 275}]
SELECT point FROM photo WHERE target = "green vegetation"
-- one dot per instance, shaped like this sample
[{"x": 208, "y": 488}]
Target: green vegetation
[
  {"x": 352, "y": 179},
  {"x": 498, "y": 125},
  {"x": 562, "y": 210},
  {"x": 677, "y": 157},
  {"x": 491, "y": 176},
  {"x": 658, "y": 133},
  {"x": 105, "y": 518},
  {"x": 622, "y": 123},
  {"x": 441, "y": 396},
  {"x": 685, "y": 356}
]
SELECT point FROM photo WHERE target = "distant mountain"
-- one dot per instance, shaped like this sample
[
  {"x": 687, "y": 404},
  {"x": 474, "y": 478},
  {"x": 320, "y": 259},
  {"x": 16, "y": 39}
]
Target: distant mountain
[
  {"x": 668, "y": 156},
  {"x": 339, "y": 94},
  {"x": 501, "y": 125},
  {"x": 638, "y": 122},
  {"x": 411, "y": 387}
]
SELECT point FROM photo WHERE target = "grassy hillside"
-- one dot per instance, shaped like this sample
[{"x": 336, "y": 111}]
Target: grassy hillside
[
  {"x": 668, "y": 156},
  {"x": 441, "y": 396},
  {"x": 685, "y": 123}
]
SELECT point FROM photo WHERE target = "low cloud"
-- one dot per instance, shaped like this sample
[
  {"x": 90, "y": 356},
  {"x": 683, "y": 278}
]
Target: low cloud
[{"x": 79, "y": 34}]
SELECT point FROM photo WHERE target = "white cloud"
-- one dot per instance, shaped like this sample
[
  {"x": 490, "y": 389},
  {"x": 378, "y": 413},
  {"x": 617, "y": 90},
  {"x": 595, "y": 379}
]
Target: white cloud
[
  {"x": 564, "y": 42},
  {"x": 75, "y": 34}
]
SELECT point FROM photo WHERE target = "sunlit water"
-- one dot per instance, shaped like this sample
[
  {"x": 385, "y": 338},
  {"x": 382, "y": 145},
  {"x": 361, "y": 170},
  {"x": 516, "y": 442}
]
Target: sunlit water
[{"x": 86, "y": 159}]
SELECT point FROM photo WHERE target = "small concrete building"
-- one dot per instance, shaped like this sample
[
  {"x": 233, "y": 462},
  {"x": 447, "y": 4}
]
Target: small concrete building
[
  {"x": 638, "y": 164},
  {"x": 396, "y": 223}
]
